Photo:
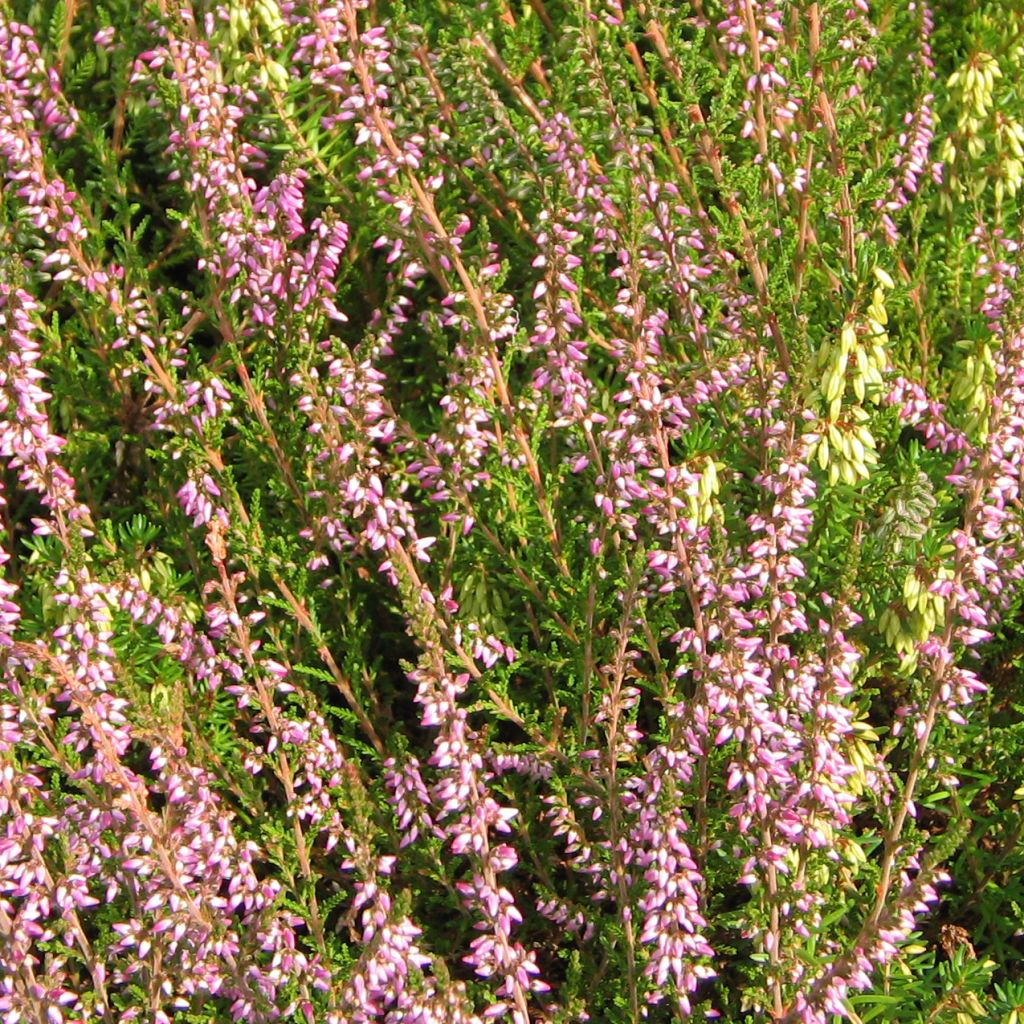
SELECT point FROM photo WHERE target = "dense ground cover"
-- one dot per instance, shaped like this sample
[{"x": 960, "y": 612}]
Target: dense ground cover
[{"x": 511, "y": 511}]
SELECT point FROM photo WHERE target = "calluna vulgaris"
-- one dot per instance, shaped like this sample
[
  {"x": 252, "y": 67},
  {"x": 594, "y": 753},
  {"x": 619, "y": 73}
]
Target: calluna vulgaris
[{"x": 511, "y": 511}]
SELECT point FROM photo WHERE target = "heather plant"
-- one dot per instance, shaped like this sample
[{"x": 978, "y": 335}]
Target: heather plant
[{"x": 511, "y": 511}]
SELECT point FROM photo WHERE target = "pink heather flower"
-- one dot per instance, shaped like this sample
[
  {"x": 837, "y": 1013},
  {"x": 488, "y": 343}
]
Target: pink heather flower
[
  {"x": 26, "y": 442},
  {"x": 255, "y": 238},
  {"x": 471, "y": 820},
  {"x": 199, "y": 500},
  {"x": 201, "y": 912},
  {"x": 104, "y": 38},
  {"x": 559, "y": 318},
  {"x": 672, "y": 919},
  {"x": 31, "y": 103}
]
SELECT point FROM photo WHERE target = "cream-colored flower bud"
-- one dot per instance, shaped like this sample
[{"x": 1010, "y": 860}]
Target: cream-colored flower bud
[
  {"x": 857, "y": 451},
  {"x": 883, "y": 277},
  {"x": 911, "y": 591},
  {"x": 270, "y": 17},
  {"x": 832, "y": 383},
  {"x": 275, "y": 73},
  {"x": 238, "y": 22},
  {"x": 847, "y": 338},
  {"x": 822, "y": 452},
  {"x": 1012, "y": 138}
]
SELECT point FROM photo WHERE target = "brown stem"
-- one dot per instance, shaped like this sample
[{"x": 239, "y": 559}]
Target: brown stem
[{"x": 835, "y": 148}]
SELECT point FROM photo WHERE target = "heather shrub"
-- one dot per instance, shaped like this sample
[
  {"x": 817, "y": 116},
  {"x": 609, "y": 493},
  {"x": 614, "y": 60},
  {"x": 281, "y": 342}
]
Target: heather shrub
[{"x": 511, "y": 511}]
